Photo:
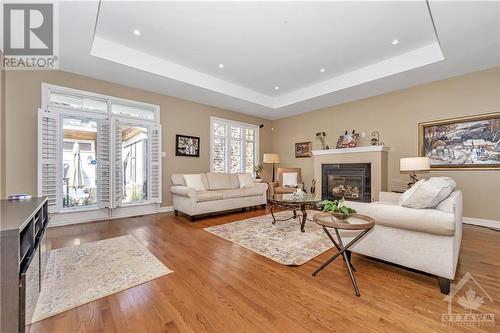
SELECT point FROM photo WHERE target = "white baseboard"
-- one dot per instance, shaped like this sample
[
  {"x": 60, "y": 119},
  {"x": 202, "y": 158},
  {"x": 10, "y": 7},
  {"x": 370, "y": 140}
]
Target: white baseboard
[
  {"x": 482, "y": 222},
  {"x": 61, "y": 219},
  {"x": 166, "y": 209}
]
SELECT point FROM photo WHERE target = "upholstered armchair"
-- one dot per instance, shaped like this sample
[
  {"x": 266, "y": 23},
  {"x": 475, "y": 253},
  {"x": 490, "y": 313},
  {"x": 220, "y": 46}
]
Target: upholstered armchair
[{"x": 288, "y": 180}]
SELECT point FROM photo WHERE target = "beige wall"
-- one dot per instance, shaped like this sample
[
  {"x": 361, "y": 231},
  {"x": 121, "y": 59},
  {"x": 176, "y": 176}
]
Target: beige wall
[
  {"x": 2, "y": 129},
  {"x": 23, "y": 97},
  {"x": 395, "y": 116}
]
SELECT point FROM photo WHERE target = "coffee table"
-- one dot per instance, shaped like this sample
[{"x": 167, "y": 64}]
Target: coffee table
[
  {"x": 338, "y": 222},
  {"x": 288, "y": 201}
]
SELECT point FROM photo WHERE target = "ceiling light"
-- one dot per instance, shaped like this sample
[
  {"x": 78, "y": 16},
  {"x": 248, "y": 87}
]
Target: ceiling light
[
  {"x": 322, "y": 70},
  {"x": 394, "y": 42},
  {"x": 137, "y": 32},
  {"x": 276, "y": 88},
  {"x": 221, "y": 65}
]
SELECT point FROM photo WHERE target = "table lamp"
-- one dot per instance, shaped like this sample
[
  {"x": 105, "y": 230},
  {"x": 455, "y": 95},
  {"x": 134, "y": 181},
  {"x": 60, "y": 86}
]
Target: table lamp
[
  {"x": 412, "y": 165},
  {"x": 271, "y": 158}
]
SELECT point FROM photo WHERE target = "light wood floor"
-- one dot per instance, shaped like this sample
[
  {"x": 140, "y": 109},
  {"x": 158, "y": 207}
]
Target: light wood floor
[{"x": 218, "y": 286}]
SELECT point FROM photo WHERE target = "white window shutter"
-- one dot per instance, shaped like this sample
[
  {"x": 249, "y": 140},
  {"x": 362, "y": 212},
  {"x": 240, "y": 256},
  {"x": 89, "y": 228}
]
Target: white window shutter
[
  {"x": 104, "y": 183},
  {"x": 117, "y": 163},
  {"x": 49, "y": 170},
  {"x": 155, "y": 160}
]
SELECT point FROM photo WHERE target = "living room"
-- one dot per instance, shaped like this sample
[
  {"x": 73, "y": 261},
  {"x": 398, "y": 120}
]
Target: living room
[{"x": 174, "y": 166}]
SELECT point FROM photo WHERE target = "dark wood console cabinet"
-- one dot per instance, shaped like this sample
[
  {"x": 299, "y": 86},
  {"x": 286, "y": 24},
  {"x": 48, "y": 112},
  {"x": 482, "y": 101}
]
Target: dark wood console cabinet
[{"x": 23, "y": 258}]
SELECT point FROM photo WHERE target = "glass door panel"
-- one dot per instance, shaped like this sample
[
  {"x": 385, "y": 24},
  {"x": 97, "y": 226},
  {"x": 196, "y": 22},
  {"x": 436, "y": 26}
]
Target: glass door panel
[{"x": 79, "y": 162}]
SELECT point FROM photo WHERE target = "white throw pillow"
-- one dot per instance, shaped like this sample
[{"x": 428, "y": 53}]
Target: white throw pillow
[
  {"x": 194, "y": 181},
  {"x": 245, "y": 180},
  {"x": 289, "y": 179},
  {"x": 428, "y": 193}
]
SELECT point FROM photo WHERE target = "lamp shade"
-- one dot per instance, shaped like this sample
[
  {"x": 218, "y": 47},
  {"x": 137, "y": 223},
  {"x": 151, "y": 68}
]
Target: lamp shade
[
  {"x": 271, "y": 158},
  {"x": 414, "y": 164}
]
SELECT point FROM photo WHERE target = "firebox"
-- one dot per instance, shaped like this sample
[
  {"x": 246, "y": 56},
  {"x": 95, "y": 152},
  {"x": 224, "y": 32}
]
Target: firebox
[{"x": 346, "y": 180}]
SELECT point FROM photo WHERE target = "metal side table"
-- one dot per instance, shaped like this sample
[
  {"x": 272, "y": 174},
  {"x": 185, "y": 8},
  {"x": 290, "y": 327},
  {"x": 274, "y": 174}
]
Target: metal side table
[{"x": 338, "y": 222}]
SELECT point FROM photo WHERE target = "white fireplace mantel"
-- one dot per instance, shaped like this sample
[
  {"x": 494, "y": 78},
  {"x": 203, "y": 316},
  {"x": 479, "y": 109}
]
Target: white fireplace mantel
[{"x": 365, "y": 149}]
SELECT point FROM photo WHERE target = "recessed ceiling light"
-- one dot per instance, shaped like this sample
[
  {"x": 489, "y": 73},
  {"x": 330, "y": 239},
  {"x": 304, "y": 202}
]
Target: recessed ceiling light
[
  {"x": 322, "y": 70},
  {"x": 276, "y": 88},
  {"x": 137, "y": 32},
  {"x": 394, "y": 42},
  {"x": 221, "y": 65}
]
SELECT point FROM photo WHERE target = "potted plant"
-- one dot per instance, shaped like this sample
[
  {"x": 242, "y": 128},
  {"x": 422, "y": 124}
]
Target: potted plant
[
  {"x": 337, "y": 208},
  {"x": 258, "y": 169}
]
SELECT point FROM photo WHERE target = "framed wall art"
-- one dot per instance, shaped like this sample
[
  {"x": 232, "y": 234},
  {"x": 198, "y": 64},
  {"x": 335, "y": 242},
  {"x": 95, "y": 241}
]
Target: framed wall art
[
  {"x": 187, "y": 145},
  {"x": 303, "y": 149},
  {"x": 462, "y": 143}
]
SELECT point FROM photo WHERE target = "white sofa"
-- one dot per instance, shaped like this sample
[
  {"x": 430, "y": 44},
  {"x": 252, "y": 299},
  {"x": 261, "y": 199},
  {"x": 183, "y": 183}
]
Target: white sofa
[
  {"x": 222, "y": 193},
  {"x": 426, "y": 240}
]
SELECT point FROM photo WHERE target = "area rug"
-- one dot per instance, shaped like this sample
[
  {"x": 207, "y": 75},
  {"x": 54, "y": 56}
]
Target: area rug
[
  {"x": 282, "y": 242},
  {"x": 81, "y": 274}
]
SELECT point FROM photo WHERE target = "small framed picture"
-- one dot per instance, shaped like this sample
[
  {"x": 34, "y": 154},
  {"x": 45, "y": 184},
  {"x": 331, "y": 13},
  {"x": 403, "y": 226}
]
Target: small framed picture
[
  {"x": 349, "y": 140},
  {"x": 187, "y": 145},
  {"x": 303, "y": 149}
]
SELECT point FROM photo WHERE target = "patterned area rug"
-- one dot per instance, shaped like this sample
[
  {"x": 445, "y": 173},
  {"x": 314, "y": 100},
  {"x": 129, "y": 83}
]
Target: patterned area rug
[
  {"x": 81, "y": 274},
  {"x": 282, "y": 242}
]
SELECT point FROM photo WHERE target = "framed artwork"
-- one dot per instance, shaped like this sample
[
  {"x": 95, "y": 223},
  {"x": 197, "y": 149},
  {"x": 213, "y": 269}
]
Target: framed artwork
[
  {"x": 303, "y": 149},
  {"x": 187, "y": 145},
  {"x": 464, "y": 143},
  {"x": 348, "y": 140}
]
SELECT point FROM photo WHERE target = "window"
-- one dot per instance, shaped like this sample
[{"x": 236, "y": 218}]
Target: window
[
  {"x": 97, "y": 151},
  {"x": 234, "y": 146}
]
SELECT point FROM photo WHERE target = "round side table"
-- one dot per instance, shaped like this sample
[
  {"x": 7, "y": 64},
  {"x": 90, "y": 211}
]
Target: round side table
[{"x": 339, "y": 222}]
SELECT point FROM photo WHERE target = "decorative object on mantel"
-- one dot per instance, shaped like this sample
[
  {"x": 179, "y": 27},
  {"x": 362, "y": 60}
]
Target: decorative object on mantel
[
  {"x": 322, "y": 136},
  {"x": 465, "y": 143},
  {"x": 313, "y": 187},
  {"x": 258, "y": 169},
  {"x": 303, "y": 149},
  {"x": 186, "y": 145},
  {"x": 348, "y": 140},
  {"x": 375, "y": 141},
  {"x": 412, "y": 165},
  {"x": 271, "y": 158}
]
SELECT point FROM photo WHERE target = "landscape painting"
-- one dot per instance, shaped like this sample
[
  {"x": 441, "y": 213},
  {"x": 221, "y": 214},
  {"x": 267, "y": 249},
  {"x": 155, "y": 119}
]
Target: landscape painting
[{"x": 462, "y": 143}]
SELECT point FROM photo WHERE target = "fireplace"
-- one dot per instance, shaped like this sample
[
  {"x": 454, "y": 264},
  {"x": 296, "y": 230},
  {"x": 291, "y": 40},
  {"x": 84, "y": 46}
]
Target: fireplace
[{"x": 351, "y": 181}]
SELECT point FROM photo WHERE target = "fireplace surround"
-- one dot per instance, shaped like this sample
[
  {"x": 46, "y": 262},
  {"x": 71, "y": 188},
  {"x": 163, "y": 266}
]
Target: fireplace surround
[
  {"x": 351, "y": 181},
  {"x": 376, "y": 156}
]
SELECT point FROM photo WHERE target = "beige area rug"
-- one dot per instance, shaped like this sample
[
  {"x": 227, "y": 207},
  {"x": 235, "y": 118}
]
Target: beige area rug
[
  {"x": 282, "y": 242},
  {"x": 81, "y": 274}
]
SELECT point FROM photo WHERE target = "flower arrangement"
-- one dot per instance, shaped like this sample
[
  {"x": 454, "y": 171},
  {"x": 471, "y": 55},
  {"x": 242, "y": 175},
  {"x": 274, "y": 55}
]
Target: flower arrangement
[
  {"x": 258, "y": 169},
  {"x": 336, "y": 207}
]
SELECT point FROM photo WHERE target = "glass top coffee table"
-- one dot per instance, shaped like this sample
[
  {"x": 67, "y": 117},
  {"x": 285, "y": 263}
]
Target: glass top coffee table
[{"x": 291, "y": 202}]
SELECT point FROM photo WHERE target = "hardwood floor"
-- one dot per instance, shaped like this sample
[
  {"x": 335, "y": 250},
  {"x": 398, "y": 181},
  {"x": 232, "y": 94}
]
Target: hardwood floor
[{"x": 218, "y": 286}]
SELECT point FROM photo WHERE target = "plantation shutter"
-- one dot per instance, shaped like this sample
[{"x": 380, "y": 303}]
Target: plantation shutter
[
  {"x": 155, "y": 160},
  {"x": 49, "y": 170},
  {"x": 104, "y": 185},
  {"x": 117, "y": 163}
]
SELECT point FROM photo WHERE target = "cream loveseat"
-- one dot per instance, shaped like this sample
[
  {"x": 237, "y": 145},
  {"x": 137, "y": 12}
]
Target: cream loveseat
[
  {"x": 219, "y": 192},
  {"x": 426, "y": 240}
]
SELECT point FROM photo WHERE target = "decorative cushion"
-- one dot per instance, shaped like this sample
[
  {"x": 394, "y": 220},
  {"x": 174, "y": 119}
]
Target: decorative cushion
[
  {"x": 219, "y": 181},
  {"x": 245, "y": 180},
  {"x": 428, "y": 193},
  {"x": 290, "y": 179},
  {"x": 178, "y": 179},
  {"x": 195, "y": 181}
]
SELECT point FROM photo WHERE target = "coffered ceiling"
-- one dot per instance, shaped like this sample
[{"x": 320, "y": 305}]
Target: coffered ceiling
[{"x": 277, "y": 59}]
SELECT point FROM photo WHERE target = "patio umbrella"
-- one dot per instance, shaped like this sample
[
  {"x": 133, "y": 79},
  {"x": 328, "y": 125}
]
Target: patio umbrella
[{"x": 75, "y": 172}]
